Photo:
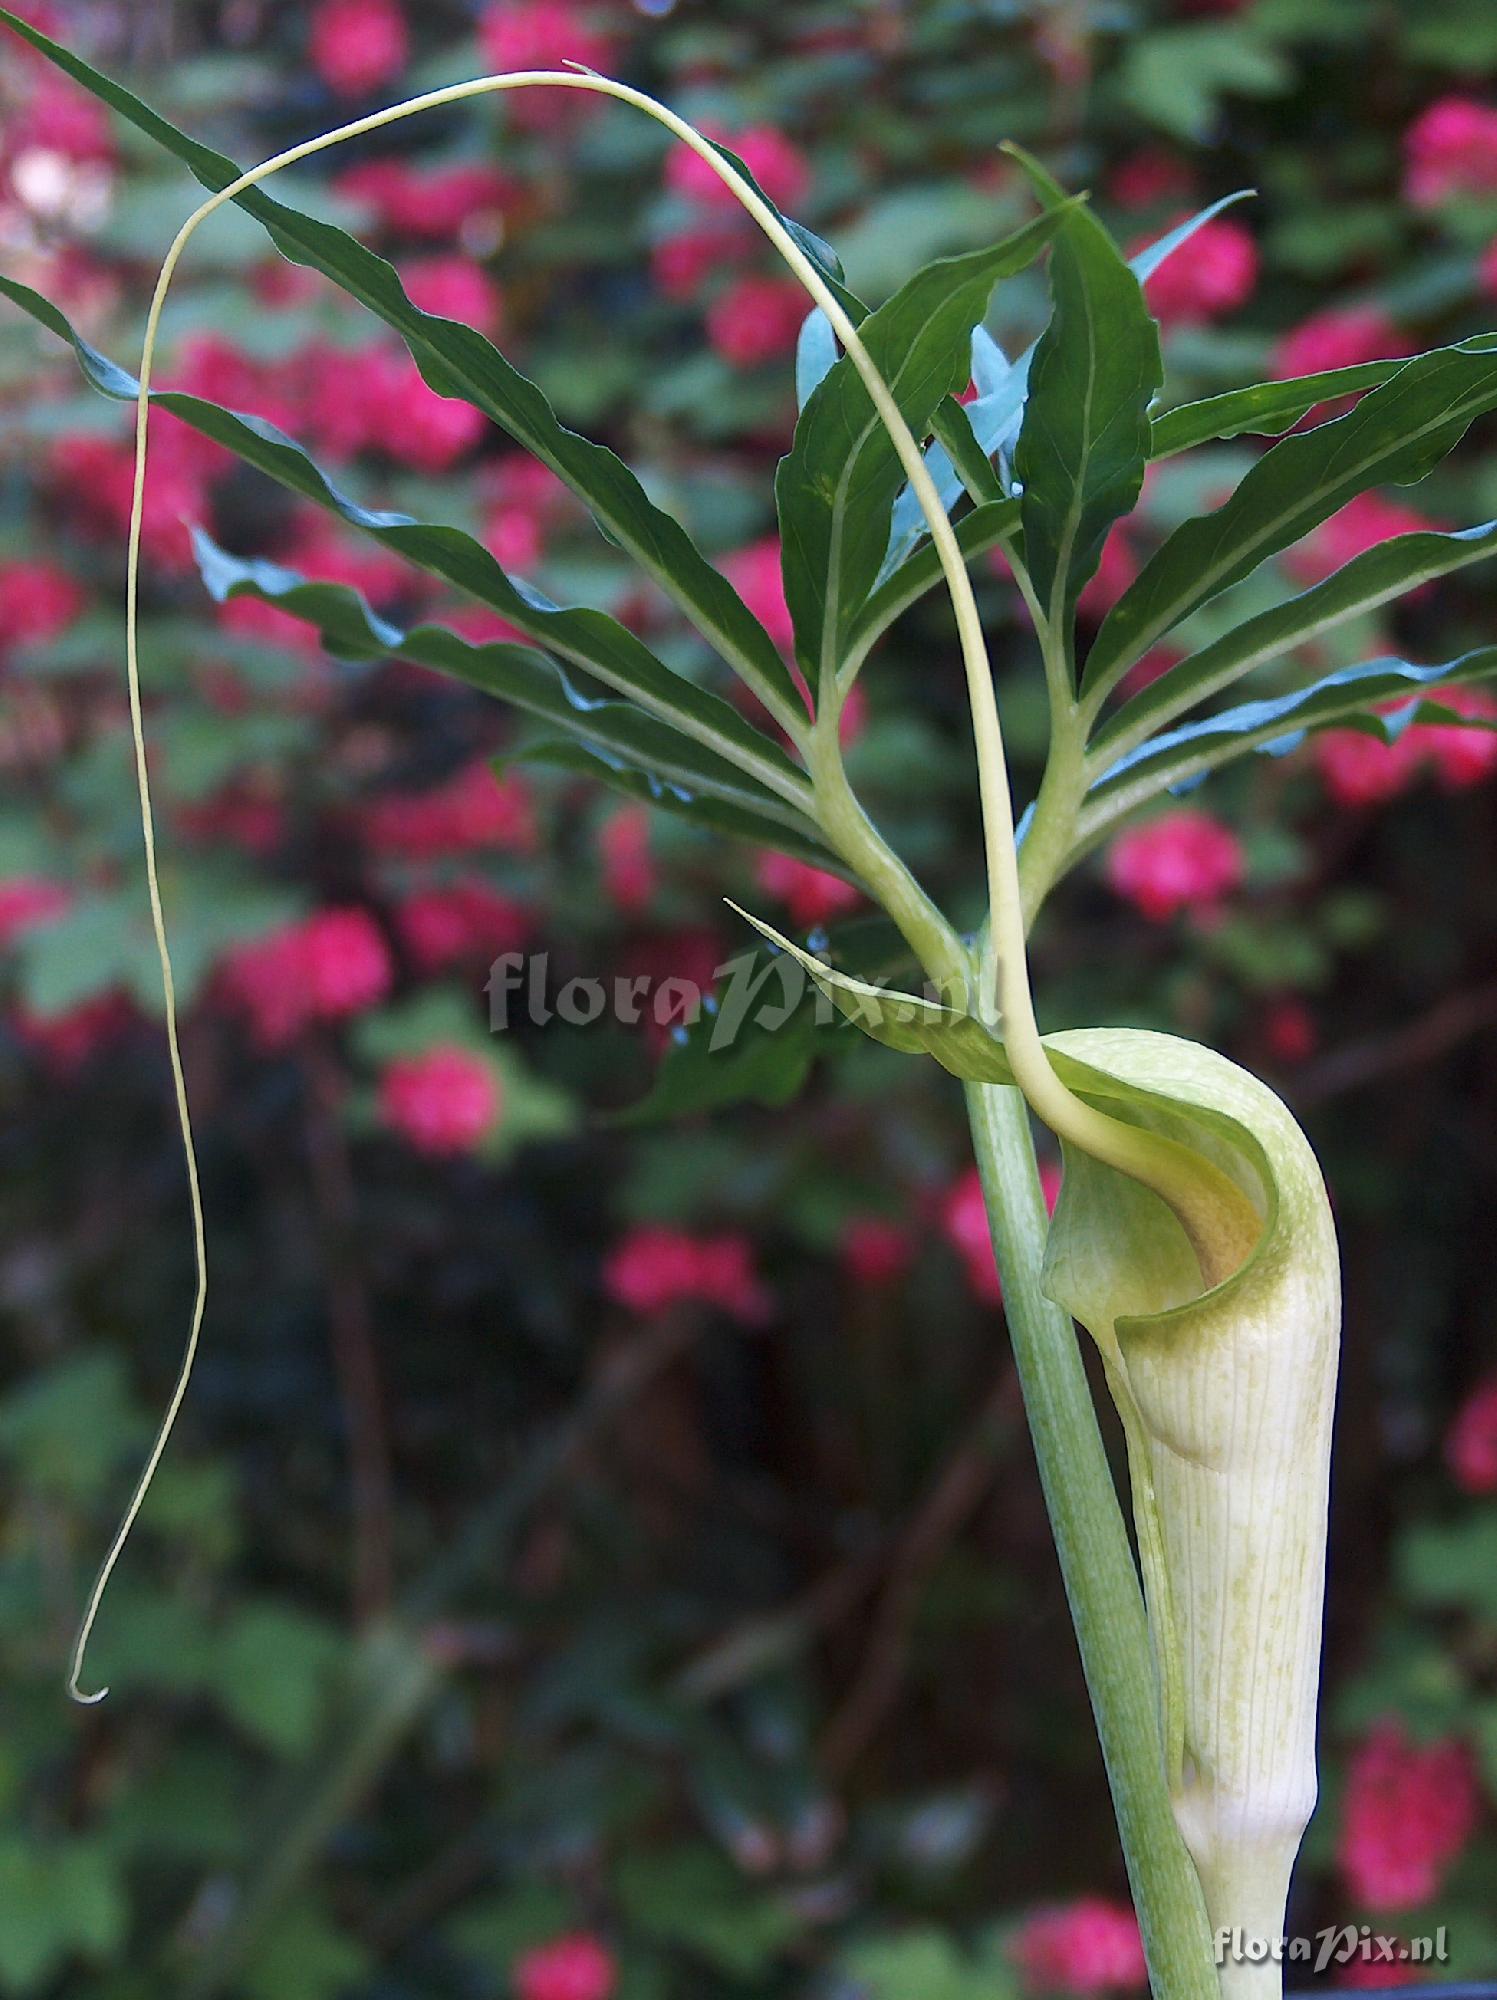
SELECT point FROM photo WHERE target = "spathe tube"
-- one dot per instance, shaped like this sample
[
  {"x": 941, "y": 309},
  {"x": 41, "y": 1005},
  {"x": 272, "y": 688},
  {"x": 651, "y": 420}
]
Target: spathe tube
[{"x": 1226, "y": 1389}]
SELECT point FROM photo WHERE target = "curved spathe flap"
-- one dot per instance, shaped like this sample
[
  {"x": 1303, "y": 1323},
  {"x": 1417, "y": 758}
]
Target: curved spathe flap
[
  {"x": 1117, "y": 1256},
  {"x": 1116, "y": 1249}
]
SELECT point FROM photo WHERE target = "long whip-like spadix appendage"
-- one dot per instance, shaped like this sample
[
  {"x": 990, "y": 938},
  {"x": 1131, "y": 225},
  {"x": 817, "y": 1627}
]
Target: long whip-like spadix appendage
[{"x": 1050, "y": 1098}]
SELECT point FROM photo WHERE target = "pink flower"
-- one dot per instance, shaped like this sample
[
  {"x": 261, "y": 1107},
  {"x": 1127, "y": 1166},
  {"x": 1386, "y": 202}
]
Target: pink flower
[
  {"x": 332, "y": 964},
  {"x": 1210, "y": 276},
  {"x": 265, "y": 982},
  {"x": 624, "y": 846},
  {"x": 356, "y": 45},
  {"x": 1154, "y": 664},
  {"x": 1149, "y": 178},
  {"x": 454, "y": 288},
  {"x": 445, "y": 1101},
  {"x": 473, "y": 809},
  {"x": 417, "y": 427},
  {"x": 812, "y": 895},
  {"x": 875, "y": 1252},
  {"x": 755, "y": 574},
  {"x": 66, "y": 1041},
  {"x": 1342, "y": 337},
  {"x": 1362, "y": 770},
  {"x": 1450, "y": 149},
  {"x": 28, "y": 900},
  {"x": 1289, "y": 1030},
  {"x": 212, "y": 366},
  {"x": 570, "y": 1968},
  {"x": 347, "y": 963},
  {"x": 679, "y": 262},
  {"x": 1184, "y": 860},
  {"x": 1407, "y": 1814},
  {"x": 542, "y": 34},
  {"x": 459, "y": 923},
  {"x": 1463, "y": 756},
  {"x": 1113, "y": 574},
  {"x": 514, "y": 538},
  {"x": 1089, "y": 1946},
  {"x": 1471, "y": 1441},
  {"x": 755, "y": 320},
  {"x": 1358, "y": 526},
  {"x": 433, "y": 203},
  {"x": 775, "y": 162},
  {"x": 655, "y": 1267},
  {"x": 95, "y": 476},
  {"x": 964, "y": 1222},
  {"x": 58, "y": 117},
  {"x": 38, "y": 600}
]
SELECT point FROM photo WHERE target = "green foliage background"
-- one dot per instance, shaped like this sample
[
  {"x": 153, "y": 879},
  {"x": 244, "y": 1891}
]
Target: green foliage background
[{"x": 754, "y": 1658}]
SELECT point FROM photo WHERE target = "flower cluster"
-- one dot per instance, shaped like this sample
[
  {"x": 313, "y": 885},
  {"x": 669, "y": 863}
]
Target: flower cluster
[
  {"x": 654, "y": 1268},
  {"x": 1182, "y": 860},
  {"x": 1089, "y": 1946},
  {"x": 1408, "y": 1813}
]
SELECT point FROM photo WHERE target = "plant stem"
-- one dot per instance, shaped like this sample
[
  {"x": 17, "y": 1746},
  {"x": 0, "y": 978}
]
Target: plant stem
[{"x": 1095, "y": 1558}]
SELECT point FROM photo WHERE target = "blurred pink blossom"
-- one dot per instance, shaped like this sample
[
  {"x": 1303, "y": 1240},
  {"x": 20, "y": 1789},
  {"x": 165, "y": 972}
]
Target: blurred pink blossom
[
  {"x": 1407, "y": 1814},
  {"x": 755, "y": 320},
  {"x": 1089, "y": 1946},
  {"x": 357, "y": 45},
  {"x": 1450, "y": 149},
  {"x": 1471, "y": 1441},
  {"x": 655, "y": 1267},
  {"x": 1207, "y": 278},
  {"x": 445, "y": 1101},
  {"x": 811, "y": 895},
  {"x": 1183, "y": 860}
]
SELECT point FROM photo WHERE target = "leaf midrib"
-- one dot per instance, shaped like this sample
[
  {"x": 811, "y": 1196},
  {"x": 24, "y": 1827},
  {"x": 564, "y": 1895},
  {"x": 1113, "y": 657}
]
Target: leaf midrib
[{"x": 1171, "y": 615}]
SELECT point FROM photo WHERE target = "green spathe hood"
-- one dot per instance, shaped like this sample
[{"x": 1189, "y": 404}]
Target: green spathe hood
[
  {"x": 1226, "y": 1392},
  {"x": 1226, "y": 1396}
]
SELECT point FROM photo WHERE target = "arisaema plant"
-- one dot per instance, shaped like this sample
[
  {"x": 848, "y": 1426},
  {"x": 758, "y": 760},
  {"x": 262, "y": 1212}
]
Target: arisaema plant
[{"x": 1193, "y": 1239}]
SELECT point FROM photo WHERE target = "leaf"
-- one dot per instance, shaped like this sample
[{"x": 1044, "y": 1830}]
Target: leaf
[
  {"x": 1144, "y": 263},
  {"x": 836, "y": 486},
  {"x": 1084, "y": 443},
  {"x": 1351, "y": 697},
  {"x": 496, "y": 1929},
  {"x": 753, "y": 1043},
  {"x": 815, "y": 355},
  {"x": 702, "y": 805},
  {"x": 907, "y": 1022},
  {"x": 57, "y": 1900},
  {"x": 994, "y": 417},
  {"x": 63, "y": 1430},
  {"x": 274, "y": 1673},
  {"x": 1176, "y": 77},
  {"x": 588, "y": 637},
  {"x": 1451, "y": 1563},
  {"x": 693, "y": 1898},
  {"x": 1265, "y": 409},
  {"x": 925, "y": 1965},
  {"x": 1375, "y": 577},
  {"x": 983, "y": 529},
  {"x": 953, "y": 427},
  {"x": 1396, "y": 434},
  {"x": 673, "y": 747},
  {"x": 303, "y": 1956},
  {"x": 459, "y": 361}
]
